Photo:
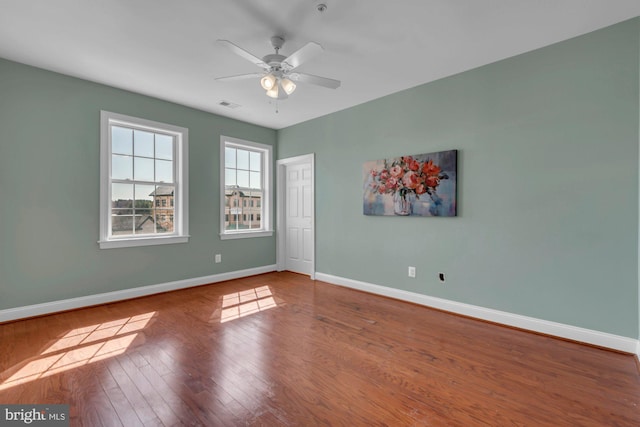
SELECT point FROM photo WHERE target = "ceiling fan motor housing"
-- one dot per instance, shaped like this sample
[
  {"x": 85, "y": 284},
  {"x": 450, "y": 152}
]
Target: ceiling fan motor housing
[{"x": 274, "y": 59}]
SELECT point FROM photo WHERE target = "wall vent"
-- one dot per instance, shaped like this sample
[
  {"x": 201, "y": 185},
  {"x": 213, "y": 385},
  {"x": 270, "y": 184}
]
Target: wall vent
[{"x": 228, "y": 104}]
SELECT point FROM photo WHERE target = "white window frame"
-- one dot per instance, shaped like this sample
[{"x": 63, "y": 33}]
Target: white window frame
[
  {"x": 181, "y": 184},
  {"x": 267, "y": 181}
]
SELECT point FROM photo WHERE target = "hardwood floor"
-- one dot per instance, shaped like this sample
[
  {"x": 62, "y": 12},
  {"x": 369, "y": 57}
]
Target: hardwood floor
[{"x": 281, "y": 350}]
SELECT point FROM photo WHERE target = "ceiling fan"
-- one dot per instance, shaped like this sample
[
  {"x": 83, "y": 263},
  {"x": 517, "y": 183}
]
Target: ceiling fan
[{"x": 278, "y": 71}]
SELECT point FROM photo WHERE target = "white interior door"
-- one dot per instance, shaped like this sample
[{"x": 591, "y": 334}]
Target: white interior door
[{"x": 298, "y": 218}]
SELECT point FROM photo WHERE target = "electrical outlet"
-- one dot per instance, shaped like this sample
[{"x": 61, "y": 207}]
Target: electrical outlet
[
  {"x": 441, "y": 277},
  {"x": 218, "y": 258},
  {"x": 412, "y": 272}
]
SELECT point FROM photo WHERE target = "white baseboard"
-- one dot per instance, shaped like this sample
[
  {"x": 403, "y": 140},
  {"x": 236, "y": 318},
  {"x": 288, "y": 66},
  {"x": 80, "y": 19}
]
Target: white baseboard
[
  {"x": 107, "y": 297},
  {"x": 602, "y": 339}
]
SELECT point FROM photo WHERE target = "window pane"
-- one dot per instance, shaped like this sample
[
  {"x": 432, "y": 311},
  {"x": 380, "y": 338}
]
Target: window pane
[
  {"x": 230, "y": 177},
  {"x": 121, "y": 167},
  {"x": 233, "y": 221},
  {"x": 164, "y": 171},
  {"x": 121, "y": 225},
  {"x": 233, "y": 209},
  {"x": 255, "y": 210},
  {"x": 164, "y": 221},
  {"x": 229, "y": 157},
  {"x": 143, "y": 169},
  {"x": 144, "y": 223},
  {"x": 255, "y": 161},
  {"x": 243, "y": 178},
  {"x": 122, "y": 196},
  {"x": 243, "y": 159},
  {"x": 144, "y": 197},
  {"x": 164, "y": 147},
  {"x": 121, "y": 140},
  {"x": 142, "y": 143},
  {"x": 255, "y": 180}
]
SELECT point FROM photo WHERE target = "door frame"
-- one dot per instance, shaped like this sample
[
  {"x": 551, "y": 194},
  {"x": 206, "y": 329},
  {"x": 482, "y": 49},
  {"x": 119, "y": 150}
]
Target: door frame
[{"x": 281, "y": 180}]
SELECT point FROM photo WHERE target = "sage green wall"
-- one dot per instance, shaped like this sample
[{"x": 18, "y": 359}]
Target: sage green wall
[
  {"x": 548, "y": 184},
  {"x": 49, "y": 192}
]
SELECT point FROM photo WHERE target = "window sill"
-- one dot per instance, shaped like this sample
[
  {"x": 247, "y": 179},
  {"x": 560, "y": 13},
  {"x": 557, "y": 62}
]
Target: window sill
[
  {"x": 145, "y": 241},
  {"x": 245, "y": 235}
]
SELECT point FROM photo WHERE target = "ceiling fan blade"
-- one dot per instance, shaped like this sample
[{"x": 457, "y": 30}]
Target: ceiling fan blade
[
  {"x": 240, "y": 77},
  {"x": 315, "y": 80},
  {"x": 242, "y": 53},
  {"x": 301, "y": 55}
]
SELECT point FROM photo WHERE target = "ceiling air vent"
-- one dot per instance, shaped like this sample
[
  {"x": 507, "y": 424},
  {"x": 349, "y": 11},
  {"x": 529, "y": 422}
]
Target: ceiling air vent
[{"x": 228, "y": 104}]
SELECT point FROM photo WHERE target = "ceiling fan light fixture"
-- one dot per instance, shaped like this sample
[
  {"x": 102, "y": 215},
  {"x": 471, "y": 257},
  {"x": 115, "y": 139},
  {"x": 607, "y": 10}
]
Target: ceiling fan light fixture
[
  {"x": 288, "y": 86},
  {"x": 268, "y": 82},
  {"x": 273, "y": 92}
]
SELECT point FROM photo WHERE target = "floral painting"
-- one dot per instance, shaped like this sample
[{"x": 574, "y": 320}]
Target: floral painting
[{"x": 418, "y": 185}]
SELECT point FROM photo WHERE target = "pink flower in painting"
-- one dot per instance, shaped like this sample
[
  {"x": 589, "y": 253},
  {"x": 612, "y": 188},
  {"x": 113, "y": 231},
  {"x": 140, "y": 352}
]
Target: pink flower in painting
[
  {"x": 411, "y": 180},
  {"x": 421, "y": 189},
  {"x": 396, "y": 171},
  {"x": 384, "y": 174},
  {"x": 374, "y": 172},
  {"x": 392, "y": 183},
  {"x": 413, "y": 165}
]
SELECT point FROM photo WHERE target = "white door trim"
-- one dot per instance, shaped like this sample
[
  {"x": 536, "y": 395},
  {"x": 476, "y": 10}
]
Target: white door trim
[{"x": 280, "y": 209}]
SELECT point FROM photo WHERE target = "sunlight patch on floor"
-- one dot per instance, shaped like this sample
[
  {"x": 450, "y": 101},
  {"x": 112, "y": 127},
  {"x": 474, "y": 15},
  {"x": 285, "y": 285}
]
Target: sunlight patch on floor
[
  {"x": 80, "y": 347},
  {"x": 246, "y": 303}
]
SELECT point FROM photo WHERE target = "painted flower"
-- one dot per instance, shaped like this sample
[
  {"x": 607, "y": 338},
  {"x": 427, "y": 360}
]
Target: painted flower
[
  {"x": 392, "y": 183},
  {"x": 430, "y": 169},
  {"x": 432, "y": 181},
  {"x": 411, "y": 180},
  {"x": 396, "y": 171},
  {"x": 384, "y": 175},
  {"x": 421, "y": 189},
  {"x": 374, "y": 172},
  {"x": 413, "y": 165}
]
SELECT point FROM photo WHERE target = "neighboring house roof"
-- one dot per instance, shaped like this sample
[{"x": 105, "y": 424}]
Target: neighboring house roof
[
  {"x": 162, "y": 191},
  {"x": 234, "y": 192},
  {"x": 143, "y": 223}
]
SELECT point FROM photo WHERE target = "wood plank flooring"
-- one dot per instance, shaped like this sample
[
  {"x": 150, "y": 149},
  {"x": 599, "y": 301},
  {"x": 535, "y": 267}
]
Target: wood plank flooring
[{"x": 281, "y": 350}]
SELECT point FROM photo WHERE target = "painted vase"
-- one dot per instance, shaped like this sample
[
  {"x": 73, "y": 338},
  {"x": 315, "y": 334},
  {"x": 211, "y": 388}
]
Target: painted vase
[{"x": 403, "y": 204}]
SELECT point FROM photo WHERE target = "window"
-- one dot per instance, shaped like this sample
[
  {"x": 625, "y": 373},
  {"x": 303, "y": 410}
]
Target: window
[
  {"x": 245, "y": 174},
  {"x": 142, "y": 165}
]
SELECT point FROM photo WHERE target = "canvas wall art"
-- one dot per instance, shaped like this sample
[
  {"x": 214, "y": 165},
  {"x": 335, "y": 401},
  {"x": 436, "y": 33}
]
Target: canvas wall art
[{"x": 416, "y": 185}]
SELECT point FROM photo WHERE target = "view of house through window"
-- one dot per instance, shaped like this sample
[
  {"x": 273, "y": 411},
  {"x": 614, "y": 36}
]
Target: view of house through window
[
  {"x": 244, "y": 190},
  {"x": 142, "y": 178}
]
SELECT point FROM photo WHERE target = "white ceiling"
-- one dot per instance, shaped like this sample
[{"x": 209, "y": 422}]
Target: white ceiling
[{"x": 166, "y": 49}]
